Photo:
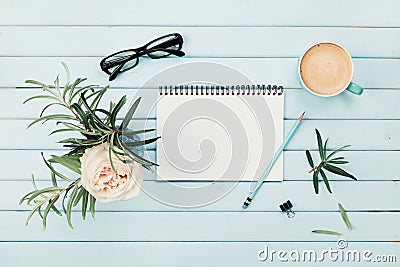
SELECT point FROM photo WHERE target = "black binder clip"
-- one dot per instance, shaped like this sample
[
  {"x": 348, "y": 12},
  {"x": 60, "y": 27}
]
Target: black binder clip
[{"x": 287, "y": 207}]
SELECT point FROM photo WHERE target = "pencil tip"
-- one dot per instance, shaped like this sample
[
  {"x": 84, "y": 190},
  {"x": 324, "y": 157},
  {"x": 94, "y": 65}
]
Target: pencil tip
[{"x": 301, "y": 116}]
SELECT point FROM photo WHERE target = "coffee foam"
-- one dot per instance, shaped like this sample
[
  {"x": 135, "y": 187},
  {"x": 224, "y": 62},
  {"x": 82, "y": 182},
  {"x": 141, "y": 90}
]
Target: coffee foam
[{"x": 326, "y": 69}]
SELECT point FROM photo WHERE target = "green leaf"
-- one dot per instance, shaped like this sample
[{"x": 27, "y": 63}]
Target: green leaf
[
  {"x": 71, "y": 163},
  {"x": 84, "y": 203},
  {"x": 339, "y": 171},
  {"x": 78, "y": 81},
  {"x": 53, "y": 170},
  {"x": 136, "y": 157},
  {"x": 35, "y": 208},
  {"x": 309, "y": 158},
  {"x": 110, "y": 149},
  {"x": 69, "y": 205},
  {"x": 53, "y": 179},
  {"x": 99, "y": 95},
  {"x": 324, "y": 150},
  {"x": 52, "y": 117},
  {"x": 81, "y": 114},
  {"x": 49, "y": 105},
  {"x": 315, "y": 180},
  {"x": 44, "y": 86},
  {"x": 142, "y": 142},
  {"x": 130, "y": 113},
  {"x": 115, "y": 111},
  {"x": 337, "y": 150},
  {"x": 344, "y": 216},
  {"x": 326, "y": 232},
  {"x": 56, "y": 210},
  {"x": 320, "y": 146},
  {"x": 338, "y": 162},
  {"x": 325, "y": 181},
  {"x": 57, "y": 84},
  {"x": 92, "y": 201},
  {"x": 78, "y": 196},
  {"x": 338, "y": 158},
  {"x": 133, "y": 133},
  {"x": 40, "y": 97},
  {"x": 95, "y": 117},
  {"x": 50, "y": 189},
  {"x": 47, "y": 209}
]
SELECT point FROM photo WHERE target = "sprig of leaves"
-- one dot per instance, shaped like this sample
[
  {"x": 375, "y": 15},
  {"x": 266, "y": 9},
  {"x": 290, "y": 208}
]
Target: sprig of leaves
[
  {"x": 96, "y": 126},
  {"x": 44, "y": 200},
  {"x": 327, "y": 163}
]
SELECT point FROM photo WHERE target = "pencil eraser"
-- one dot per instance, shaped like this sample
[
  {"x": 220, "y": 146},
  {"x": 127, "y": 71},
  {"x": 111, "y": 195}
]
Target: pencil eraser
[{"x": 244, "y": 206}]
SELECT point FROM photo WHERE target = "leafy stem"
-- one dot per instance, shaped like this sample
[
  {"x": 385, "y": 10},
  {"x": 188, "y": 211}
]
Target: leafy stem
[
  {"x": 327, "y": 163},
  {"x": 96, "y": 126}
]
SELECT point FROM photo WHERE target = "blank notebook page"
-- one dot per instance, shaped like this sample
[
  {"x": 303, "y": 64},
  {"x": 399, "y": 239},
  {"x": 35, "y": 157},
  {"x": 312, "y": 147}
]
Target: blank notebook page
[{"x": 219, "y": 136}]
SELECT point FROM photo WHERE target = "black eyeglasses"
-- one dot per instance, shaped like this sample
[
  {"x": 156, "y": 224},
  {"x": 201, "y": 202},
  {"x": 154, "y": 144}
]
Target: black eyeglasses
[{"x": 164, "y": 46}]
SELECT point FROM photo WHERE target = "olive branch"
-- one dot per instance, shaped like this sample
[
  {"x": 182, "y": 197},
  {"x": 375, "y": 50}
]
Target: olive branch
[
  {"x": 95, "y": 125},
  {"x": 327, "y": 163}
]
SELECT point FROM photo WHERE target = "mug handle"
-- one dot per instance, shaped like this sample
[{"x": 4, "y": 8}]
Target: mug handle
[{"x": 355, "y": 89}]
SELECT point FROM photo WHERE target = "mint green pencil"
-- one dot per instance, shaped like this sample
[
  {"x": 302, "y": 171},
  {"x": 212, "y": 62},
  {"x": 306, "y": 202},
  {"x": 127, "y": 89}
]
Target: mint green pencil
[{"x": 264, "y": 175}]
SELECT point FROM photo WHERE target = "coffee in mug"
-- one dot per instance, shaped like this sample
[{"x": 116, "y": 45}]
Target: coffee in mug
[{"x": 326, "y": 69}]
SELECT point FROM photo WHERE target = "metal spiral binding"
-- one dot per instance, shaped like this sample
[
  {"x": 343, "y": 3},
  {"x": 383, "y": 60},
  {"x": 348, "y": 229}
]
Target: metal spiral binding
[{"x": 259, "y": 89}]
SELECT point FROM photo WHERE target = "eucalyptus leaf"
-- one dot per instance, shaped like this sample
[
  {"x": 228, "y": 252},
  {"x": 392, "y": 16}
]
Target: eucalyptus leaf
[
  {"x": 44, "y": 86},
  {"x": 81, "y": 114},
  {"x": 324, "y": 150},
  {"x": 54, "y": 171},
  {"x": 70, "y": 203},
  {"x": 325, "y": 181},
  {"x": 84, "y": 203},
  {"x": 320, "y": 146},
  {"x": 315, "y": 181},
  {"x": 78, "y": 197},
  {"x": 116, "y": 109},
  {"x": 337, "y": 150},
  {"x": 130, "y": 113},
  {"x": 338, "y": 162},
  {"x": 326, "y": 232},
  {"x": 47, "y": 209},
  {"x": 339, "y": 171},
  {"x": 142, "y": 142},
  {"x": 309, "y": 158},
  {"x": 71, "y": 163},
  {"x": 52, "y": 117},
  {"x": 344, "y": 216},
  {"x": 92, "y": 201},
  {"x": 40, "y": 97}
]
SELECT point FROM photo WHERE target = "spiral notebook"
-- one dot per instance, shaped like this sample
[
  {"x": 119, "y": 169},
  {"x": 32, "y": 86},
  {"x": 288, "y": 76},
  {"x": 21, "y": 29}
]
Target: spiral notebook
[{"x": 211, "y": 133}]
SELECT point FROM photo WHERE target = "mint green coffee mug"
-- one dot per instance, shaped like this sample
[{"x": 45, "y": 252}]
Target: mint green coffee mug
[{"x": 326, "y": 69}]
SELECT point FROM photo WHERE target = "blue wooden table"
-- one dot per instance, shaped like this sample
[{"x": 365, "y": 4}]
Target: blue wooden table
[{"x": 261, "y": 39}]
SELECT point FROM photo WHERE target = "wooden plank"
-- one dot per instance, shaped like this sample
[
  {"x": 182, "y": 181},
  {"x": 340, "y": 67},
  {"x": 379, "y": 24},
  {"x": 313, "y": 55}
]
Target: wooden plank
[
  {"x": 355, "y": 196},
  {"x": 250, "y": 13},
  {"x": 362, "y": 163},
  {"x": 202, "y": 226},
  {"x": 366, "y": 165},
  {"x": 368, "y": 72},
  {"x": 374, "y": 104},
  {"x": 253, "y": 41},
  {"x": 359, "y": 133},
  {"x": 146, "y": 254}
]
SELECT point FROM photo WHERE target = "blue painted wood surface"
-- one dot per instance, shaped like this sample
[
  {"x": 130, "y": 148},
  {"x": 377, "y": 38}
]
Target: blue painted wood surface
[{"x": 260, "y": 38}]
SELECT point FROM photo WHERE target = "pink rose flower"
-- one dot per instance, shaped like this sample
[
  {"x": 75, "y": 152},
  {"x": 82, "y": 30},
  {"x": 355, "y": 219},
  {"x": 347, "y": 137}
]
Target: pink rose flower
[{"x": 99, "y": 179}]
